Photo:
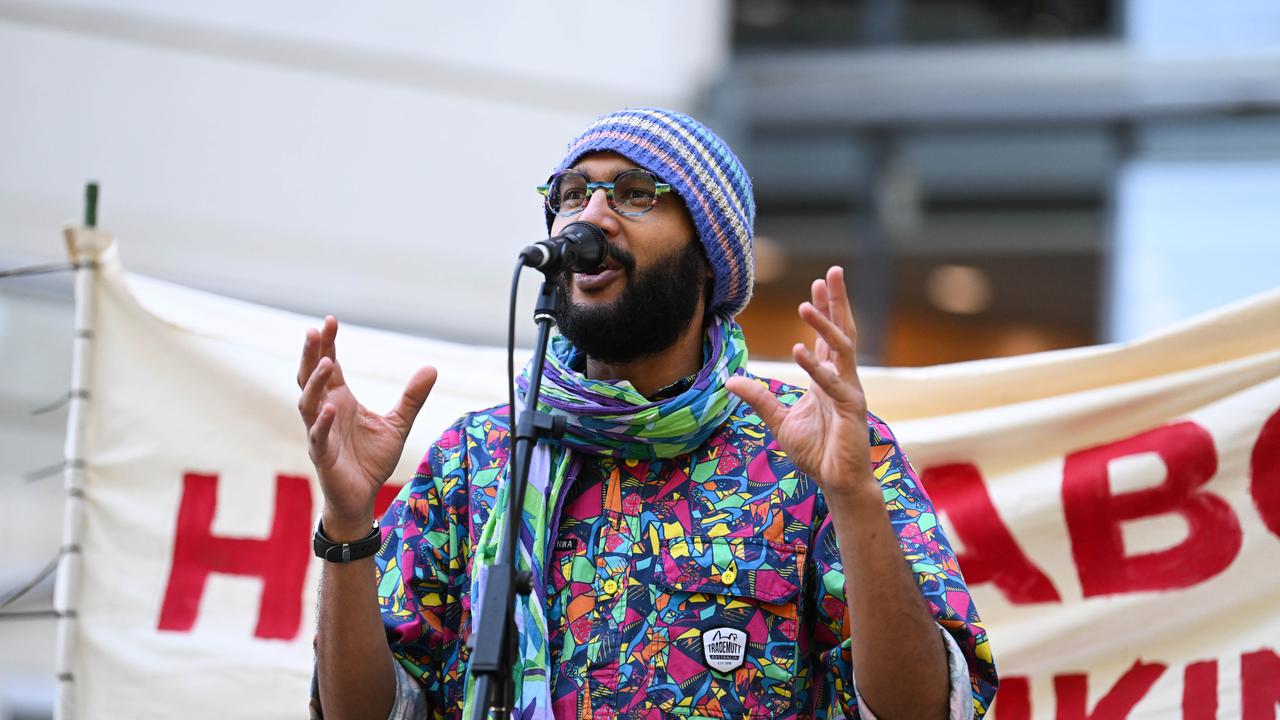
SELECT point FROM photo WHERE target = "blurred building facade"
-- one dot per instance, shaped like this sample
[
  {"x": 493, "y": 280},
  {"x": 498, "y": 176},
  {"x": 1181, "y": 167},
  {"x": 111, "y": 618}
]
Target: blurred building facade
[{"x": 1008, "y": 177}]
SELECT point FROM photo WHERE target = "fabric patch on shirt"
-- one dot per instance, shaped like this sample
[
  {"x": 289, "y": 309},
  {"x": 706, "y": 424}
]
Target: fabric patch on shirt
[
  {"x": 724, "y": 648},
  {"x": 566, "y": 544}
]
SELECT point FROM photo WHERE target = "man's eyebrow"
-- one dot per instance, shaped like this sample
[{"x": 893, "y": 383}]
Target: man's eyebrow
[{"x": 610, "y": 172}]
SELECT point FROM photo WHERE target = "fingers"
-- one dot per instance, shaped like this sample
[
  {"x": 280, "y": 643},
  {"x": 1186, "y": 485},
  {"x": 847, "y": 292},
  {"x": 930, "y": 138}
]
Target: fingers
[
  {"x": 842, "y": 315},
  {"x": 329, "y": 346},
  {"x": 841, "y": 345},
  {"x": 831, "y": 315},
  {"x": 318, "y": 435},
  {"x": 824, "y": 377},
  {"x": 821, "y": 298},
  {"x": 328, "y": 336},
  {"x": 818, "y": 295},
  {"x": 314, "y": 391},
  {"x": 759, "y": 398},
  {"x": 415, "y": 394},
  {"x": 840, "y": 310},
  {"x": 318, "y": 343},
  {"x": 310, "y": 356}
]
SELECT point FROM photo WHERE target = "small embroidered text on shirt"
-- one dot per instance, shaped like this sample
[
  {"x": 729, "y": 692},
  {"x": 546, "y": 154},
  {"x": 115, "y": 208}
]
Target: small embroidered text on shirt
[{"x": 724, "y": 648}]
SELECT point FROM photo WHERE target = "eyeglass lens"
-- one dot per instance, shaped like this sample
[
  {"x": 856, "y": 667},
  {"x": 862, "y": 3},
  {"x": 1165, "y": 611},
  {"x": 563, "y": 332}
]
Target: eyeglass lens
[{"x": 633, "y": 192}]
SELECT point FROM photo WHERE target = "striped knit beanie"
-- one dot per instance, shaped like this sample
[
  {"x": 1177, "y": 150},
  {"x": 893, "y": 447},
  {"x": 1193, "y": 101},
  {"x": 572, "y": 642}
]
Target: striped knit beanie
[{"x": 706, "y": 175}]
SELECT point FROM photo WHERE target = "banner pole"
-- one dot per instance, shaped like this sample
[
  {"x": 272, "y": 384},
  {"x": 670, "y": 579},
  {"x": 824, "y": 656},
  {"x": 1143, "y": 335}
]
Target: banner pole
[{"x": 83, "y": 246}]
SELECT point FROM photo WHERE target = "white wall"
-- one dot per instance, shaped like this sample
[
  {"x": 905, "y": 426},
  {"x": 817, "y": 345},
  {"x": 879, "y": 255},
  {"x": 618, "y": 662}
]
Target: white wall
[
  {"x": 372, "y": 160},
  {"x": 375, "y": 161}
]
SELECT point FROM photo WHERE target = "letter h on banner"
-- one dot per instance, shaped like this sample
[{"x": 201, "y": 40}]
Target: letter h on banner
[{"x": 280, "y": 560}]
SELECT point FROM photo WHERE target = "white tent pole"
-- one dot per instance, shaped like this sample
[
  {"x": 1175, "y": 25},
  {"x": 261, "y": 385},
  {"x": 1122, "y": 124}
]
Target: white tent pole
[{"x": 83, "y": 246}]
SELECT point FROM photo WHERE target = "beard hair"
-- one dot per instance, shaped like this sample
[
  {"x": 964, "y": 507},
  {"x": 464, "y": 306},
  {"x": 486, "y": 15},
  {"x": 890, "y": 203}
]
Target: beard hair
[{"x": 655, "y": 307}]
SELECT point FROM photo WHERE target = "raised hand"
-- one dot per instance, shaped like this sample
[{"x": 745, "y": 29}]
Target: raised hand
[
  {"x": 354, "y": 450},
  {"x": 825, "y": 432}
]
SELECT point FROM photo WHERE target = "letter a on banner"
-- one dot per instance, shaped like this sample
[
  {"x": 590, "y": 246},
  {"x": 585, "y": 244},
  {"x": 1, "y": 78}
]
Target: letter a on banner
[{"x": 991, "y": 553}]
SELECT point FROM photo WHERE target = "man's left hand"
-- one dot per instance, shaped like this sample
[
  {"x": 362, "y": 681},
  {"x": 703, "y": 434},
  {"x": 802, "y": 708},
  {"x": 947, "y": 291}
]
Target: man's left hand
[{"x": 825, "y": 432}]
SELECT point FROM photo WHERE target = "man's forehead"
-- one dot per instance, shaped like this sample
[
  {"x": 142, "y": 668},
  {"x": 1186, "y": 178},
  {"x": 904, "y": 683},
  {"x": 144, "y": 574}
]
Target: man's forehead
[{"x": 602, "y": 165}]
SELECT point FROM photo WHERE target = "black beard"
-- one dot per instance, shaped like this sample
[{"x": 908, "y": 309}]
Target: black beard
[{"x": 655, "y": 307}]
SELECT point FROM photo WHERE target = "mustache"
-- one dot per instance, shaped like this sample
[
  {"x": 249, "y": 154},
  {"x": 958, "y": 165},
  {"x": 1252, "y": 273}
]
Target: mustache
[{"x": 624, "y": 258}]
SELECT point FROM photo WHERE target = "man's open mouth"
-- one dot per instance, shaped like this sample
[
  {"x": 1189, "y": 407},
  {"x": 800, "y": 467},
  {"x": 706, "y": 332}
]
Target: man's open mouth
[{"x": 608, "y": 264}]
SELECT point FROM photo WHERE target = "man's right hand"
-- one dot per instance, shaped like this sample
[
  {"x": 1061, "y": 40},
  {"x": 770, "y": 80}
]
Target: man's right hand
[{"x": 353, "y": 449}]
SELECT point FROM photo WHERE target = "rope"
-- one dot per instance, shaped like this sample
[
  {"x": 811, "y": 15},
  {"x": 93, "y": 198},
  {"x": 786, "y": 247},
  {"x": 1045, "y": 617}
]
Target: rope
[
  {"x": 31, "y": 584},
  {"x": 44, "y": 269}
]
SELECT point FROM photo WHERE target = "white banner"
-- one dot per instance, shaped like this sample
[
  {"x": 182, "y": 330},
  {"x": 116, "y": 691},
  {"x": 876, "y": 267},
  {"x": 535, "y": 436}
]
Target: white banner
[{"x": 1116, "y": 509}]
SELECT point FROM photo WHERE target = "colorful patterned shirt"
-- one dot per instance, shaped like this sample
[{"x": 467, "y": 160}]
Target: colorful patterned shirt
[{"x": 706, "y": 585}]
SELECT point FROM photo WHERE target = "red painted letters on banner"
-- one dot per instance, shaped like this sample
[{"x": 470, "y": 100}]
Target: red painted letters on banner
[
  {"x": 280, "y": 560},
  {"x": 991, "y": 553},
  {"x": 1073, "y": 693},
  {"x": 1259, "y": 685},
  {"x": 1264, "y": 474},
  {"x": 1259, "y": 691},
  {"x": 1094, "y": 514},
  {"x": 1200, "y": 691}
]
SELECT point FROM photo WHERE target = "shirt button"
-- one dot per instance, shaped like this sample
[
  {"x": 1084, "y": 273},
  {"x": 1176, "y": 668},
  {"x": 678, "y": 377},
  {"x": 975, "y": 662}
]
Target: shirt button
[{"x": 610, "y": 586}]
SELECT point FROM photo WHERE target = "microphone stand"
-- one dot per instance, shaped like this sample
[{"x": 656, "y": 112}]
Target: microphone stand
[{"x": 495, "y": 651}]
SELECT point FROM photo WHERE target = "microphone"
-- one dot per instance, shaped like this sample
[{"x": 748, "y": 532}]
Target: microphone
[{"x": 580, "y": 247}]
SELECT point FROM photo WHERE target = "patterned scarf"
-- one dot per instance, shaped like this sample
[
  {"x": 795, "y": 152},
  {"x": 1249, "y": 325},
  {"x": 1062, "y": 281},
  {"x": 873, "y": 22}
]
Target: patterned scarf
[{"x": 603, "y": 418}]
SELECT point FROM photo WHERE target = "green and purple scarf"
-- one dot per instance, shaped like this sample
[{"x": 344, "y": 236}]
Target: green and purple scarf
[{"x": 604, "y": 418}]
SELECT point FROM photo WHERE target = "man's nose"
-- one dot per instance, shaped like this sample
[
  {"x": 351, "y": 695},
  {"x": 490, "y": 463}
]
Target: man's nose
[{"x": 598, "y": 213}]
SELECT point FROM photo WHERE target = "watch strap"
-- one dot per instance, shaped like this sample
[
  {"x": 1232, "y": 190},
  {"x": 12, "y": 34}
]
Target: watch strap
[{"x": 336, "y": 552}]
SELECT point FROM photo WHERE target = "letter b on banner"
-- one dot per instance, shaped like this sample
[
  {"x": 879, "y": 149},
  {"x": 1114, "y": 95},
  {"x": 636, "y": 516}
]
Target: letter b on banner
[
  {"x": 1094, "y": 514},
  {"x": 280, "y": 560}
]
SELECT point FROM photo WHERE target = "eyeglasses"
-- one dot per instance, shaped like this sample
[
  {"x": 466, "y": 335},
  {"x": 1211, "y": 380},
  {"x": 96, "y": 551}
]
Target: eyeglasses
[{"x": 632, "y": 192}]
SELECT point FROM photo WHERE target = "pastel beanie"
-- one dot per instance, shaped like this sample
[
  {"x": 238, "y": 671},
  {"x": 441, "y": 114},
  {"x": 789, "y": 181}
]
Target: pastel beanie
[{"x": 706, "y": 175}]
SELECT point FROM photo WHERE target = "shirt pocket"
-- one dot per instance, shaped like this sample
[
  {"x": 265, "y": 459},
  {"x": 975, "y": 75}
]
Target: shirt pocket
[{"x": 745, "y": 585}]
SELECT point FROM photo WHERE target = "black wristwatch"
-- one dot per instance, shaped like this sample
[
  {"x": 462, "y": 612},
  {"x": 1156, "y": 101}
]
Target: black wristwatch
[{"x": 335, "y": 552}]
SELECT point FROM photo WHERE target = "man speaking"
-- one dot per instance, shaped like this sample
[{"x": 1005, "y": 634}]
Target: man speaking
[{"x": 703, "y": 543}]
